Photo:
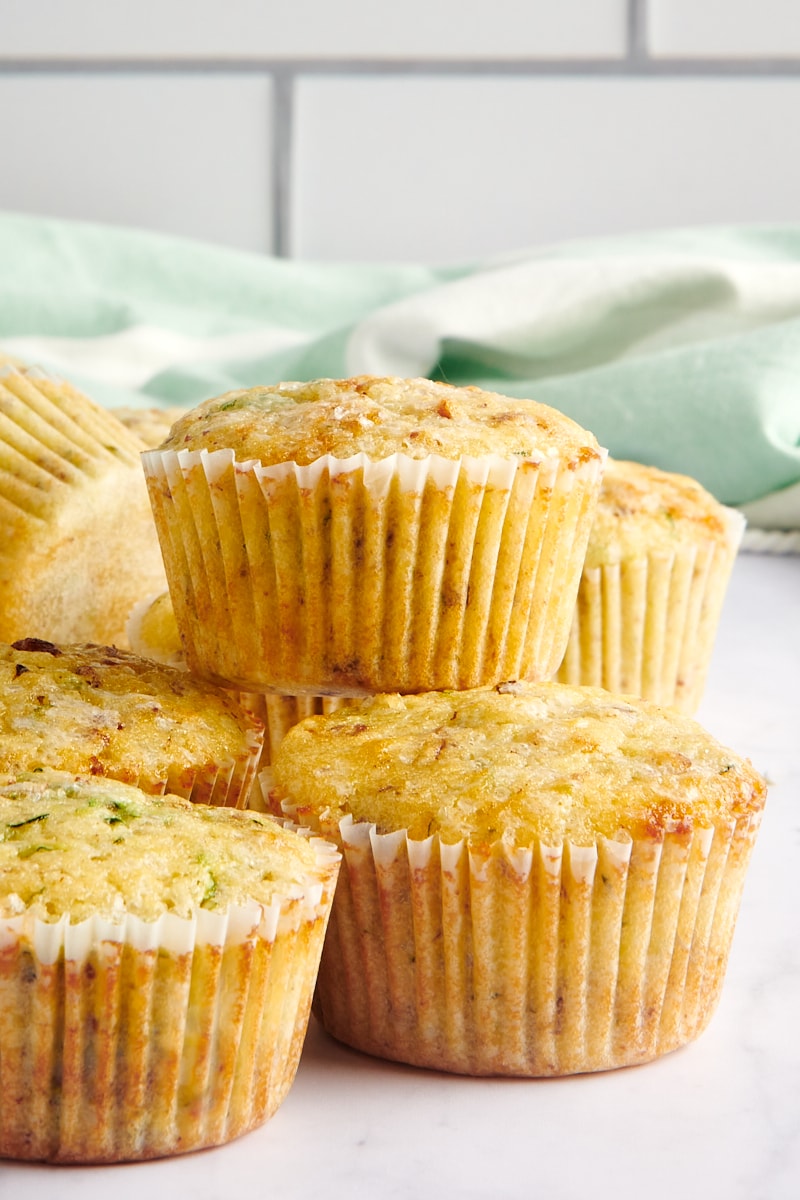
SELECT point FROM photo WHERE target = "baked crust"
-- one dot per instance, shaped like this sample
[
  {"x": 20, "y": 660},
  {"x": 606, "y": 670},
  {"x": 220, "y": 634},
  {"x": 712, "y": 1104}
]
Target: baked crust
[
  {"x": 80, "y": 847},
  {"x": 513, "y": 764},
  {"x": 301, "y": 422},
  {"x": 101, "y": 711},
  {"x": 645, "y": 511}
]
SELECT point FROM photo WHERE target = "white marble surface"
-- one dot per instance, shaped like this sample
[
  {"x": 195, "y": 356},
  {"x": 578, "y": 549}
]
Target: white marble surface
[{"x": 720, "y": 1118}]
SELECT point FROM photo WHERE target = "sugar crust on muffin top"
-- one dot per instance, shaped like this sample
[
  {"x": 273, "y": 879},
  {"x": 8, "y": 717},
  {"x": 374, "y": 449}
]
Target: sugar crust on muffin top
[
  {"x": 96, "y": 846},
  {"x": 643, "y": 510},
  {"x": 512, "y": 763},
  {"x": 301, "y": 422},
  {"x": 104, "y": 711}
]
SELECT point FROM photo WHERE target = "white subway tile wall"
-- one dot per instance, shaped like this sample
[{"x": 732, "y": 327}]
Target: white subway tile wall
[
  {"x": 456, "y": 169},
  {"x": 436, "y": 130},
  {"x": 351, "y": 29},
  {"x": 184, "y": 154},
  {"x": 719, "y": 29}
]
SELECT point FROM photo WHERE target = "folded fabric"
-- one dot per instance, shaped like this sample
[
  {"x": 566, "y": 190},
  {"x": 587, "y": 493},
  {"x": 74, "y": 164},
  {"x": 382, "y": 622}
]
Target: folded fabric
[{"x": 679, "y": 349}]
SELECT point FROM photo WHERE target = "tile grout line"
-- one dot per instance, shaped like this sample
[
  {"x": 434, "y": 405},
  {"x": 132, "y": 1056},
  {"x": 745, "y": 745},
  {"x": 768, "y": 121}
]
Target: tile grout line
[
  {"x": 283, "y": 90},
  {"x": 637, "y": 30},
  {"x": 637, "y": 62}
]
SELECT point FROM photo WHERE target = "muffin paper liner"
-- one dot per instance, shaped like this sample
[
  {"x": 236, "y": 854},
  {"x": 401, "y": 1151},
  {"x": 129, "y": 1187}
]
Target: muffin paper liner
[
  {"x": 227, "y": 783},
  {"x": 347, "y": 577},
  {"x": 279, "y": 713},
  {"x": 51, "y": 440},
  {"x": 647, "y": 625},
  {"x": 536, "y": 961},
  {"x": 136, "y": 1039}
]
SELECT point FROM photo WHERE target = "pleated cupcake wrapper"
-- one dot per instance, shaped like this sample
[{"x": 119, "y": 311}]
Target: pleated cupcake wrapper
[
  {"x": 68, "y": 469},
  {"x": 536, "y": 961},
  {"x": 224, "y": 784},
  {"x": 137, "y": 1040},
  {"x": 278, "y": 714},
  {"x": 51, "y": 439},
  {"x": 347, "y": 576},
  {"x": 647, "y": 625}
]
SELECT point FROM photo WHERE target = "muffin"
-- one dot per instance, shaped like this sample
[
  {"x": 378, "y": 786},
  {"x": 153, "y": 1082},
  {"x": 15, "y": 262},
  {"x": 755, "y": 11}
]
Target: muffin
[
  {"x": 657, "y": 567},
  {"x": 78, "y": 547},
  {"x": 99, "y": 711},
  {"x": 157, "y": 961},
  {"x": 537, "y": 879},
  {"x": 352, "y": 536},
  {"x": 153, "y": 632}
]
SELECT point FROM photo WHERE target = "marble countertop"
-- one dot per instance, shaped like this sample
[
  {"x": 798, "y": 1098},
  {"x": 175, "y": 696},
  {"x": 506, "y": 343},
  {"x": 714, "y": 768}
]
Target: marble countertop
[{"x": 719, "y": 1118}]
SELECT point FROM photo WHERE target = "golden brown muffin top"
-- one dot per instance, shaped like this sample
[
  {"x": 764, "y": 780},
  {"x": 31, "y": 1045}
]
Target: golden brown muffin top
[
  {"x": 78, "y": 846},
  {"x": 512, "y": 763},
  {"x": 301, "y": 422},
  {"x": 643, "y": 510},
  {"x": 102, "y": 711}
]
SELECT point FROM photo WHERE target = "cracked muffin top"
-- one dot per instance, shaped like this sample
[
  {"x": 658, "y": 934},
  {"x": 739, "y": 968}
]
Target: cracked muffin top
[
  {"x": 77, "y": 846},
  {"x": 101, "y": 711},
  {"x": 643, "y": 510},
  {"x": 513, "y": 763},
  {"x": 301, "y": 422}
]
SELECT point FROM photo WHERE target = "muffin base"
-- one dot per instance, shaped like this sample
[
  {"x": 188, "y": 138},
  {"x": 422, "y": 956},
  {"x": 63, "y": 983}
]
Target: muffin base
[
  {"x": 529, "y": 962},
  {"x": 646, "y": 626},
  {"x": 348, "y": 577}
]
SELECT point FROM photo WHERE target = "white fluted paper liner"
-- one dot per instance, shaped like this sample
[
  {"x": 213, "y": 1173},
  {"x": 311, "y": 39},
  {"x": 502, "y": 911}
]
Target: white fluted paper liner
[
  {"x": 348, "y": 576},
  {"x": 279, "y": 714},
  {"x": 127, "y": 1039},
  {"x": 647, "y": 625},
  {"x": 224, "y": 784},
  {"x": 530, "y": 961}
]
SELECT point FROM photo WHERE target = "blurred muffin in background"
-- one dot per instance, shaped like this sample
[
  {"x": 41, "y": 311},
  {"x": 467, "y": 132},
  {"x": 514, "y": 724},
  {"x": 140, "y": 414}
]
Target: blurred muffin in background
[
  {"x": 659, "y": 559},
  {"x": 78, "y": 547},
  {"x": 151, "y": 425}
]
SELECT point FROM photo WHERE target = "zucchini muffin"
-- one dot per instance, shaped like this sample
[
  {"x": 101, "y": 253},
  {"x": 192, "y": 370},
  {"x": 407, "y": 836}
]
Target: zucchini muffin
[
  {"x": 78, "y": 547},
  {"x": 157, "y": 961},
  {"x": 153, "y": 633},
  {"x": 657, "y": 567},
  {"x": 362, "y": 535},
  {"x": 536, "y": 880},
  {"x": 100, "y": 711}
]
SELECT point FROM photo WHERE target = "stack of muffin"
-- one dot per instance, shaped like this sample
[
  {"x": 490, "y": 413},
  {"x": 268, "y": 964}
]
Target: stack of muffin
[{"x": 537, "y": 878}]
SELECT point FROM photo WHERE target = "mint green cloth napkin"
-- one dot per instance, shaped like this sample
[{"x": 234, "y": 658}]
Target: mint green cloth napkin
[{"x": 680, "y": 349}]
